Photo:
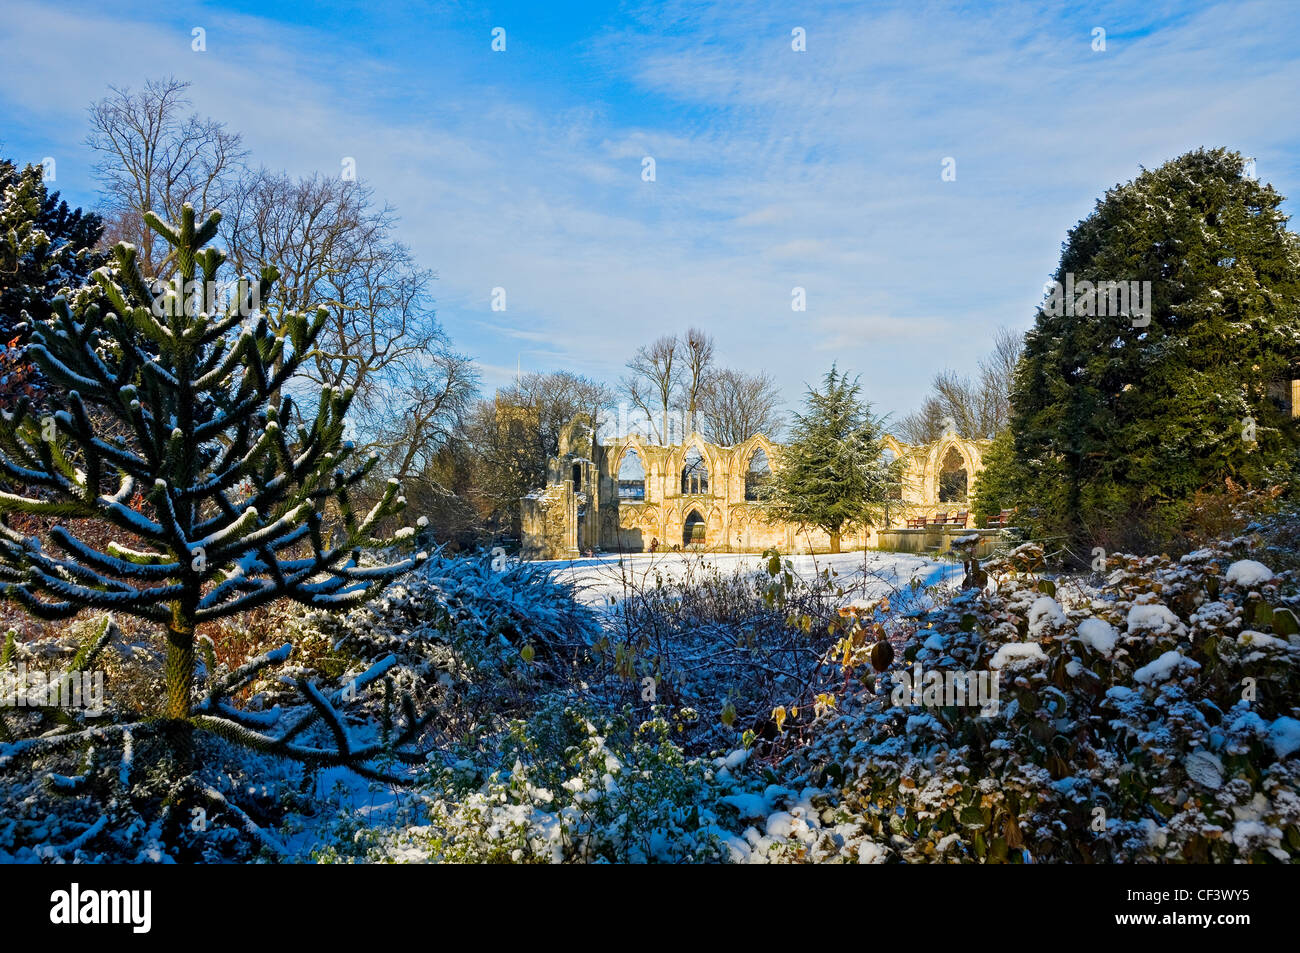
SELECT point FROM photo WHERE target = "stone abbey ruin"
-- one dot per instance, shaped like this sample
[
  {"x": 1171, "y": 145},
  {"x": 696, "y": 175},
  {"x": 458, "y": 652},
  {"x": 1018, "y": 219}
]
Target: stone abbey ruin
[{"x": 628, "y": 495}]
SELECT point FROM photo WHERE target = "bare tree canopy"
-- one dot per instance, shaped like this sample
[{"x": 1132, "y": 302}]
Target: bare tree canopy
[
  {"x": 698, "y": 348},
  {"x": 976, "y": 408},
  {"x": 514, "y": 435},
  {"x": 335, "y": 248},
  {"x": 555, "y": 398},
  {"x": 656, "y": 374},
  {"x": 735, "y": 406},
  {"x": 156, "y": 157}
]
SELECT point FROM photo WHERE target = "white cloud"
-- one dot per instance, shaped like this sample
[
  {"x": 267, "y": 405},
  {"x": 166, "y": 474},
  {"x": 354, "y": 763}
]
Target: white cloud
[{"x": 774, "y": 168}]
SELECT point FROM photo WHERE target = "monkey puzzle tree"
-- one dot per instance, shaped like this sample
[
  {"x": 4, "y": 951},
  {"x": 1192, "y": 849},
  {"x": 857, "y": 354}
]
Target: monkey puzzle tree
[{"x": 217, "y": 494}]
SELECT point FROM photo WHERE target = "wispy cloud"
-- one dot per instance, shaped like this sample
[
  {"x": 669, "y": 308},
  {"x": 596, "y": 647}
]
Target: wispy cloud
[{"x": 774, "y": 168}]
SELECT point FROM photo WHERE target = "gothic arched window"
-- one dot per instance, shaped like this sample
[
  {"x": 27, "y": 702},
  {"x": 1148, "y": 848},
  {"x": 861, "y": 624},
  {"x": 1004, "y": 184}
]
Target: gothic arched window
[
  {"x": 758, "y": 478},
  {"x": 695, "y": 475},
  {"x": 631, "y": 477},
  {"x": 693, "y": 529},
  {"x": 952, "y": 478}
]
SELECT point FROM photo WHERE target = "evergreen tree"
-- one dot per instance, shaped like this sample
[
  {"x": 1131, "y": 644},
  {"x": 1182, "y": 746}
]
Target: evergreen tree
[
  {"x": 1117, "y": 422},
  {"x": 219, "y": 495},
  {"x": 832, "y": 473},
  {"x": 44, "y": 247},
  {"x": 998, "y": 485}
]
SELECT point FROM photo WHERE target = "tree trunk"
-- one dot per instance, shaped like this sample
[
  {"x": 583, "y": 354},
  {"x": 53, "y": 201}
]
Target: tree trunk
[
  {"x": 835, "y": 541},
  {"x": 179, "y": 676}
]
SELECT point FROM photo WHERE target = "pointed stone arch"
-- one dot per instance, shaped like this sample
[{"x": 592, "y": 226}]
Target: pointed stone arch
[
  {"x": 694, "y": 528},
  {"x": 629, "y": 486},
  {"x": 758, "y": 476},
  {"x": 948, "y": 450},
  {"x": 632, "y": 444},
  {"x": 696, "y": 470},
  {"x": 740, "y": 458},
  {"x": 896, "y": 446}
]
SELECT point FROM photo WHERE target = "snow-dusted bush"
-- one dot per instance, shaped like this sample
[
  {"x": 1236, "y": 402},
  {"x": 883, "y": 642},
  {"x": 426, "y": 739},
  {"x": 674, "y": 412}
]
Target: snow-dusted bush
[
  {"x": 1147, "y": 714},
  {"x": 571, "y": 785},
  {"x": 1154, "y": 719},
  {"x": 464, "y": 600}
]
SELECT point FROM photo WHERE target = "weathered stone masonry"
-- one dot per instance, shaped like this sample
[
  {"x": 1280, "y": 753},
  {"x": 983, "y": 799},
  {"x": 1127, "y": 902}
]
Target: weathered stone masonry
[{"x": 626, "y": 495}]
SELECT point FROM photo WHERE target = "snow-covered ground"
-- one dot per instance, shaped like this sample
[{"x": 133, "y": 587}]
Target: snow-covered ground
[{"x": 608, "y": 579}]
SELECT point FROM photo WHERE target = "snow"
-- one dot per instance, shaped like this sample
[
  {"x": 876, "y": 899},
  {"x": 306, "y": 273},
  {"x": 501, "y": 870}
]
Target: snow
[
  {"x": 781, "y": 824},
  {"x": 869, "y": 852},
  {"x": 1247, "y": 572},
  {"x": 605, "y": 579},
  {"x": 1098, "y": 634},
  {"x": 736, "y": 759},
  {"x": 1260, "y": 645},
  {"x": 1164, "y": 667},
  {"x": 1153, "y": 616},
  {"x": 1043, "y": 614},
  {"x": 749, "y": 806},
  {"x": 1017, "y": 653},
  {"x": 1284, "y": 736},
  {"x": 1244, "y": 833}
]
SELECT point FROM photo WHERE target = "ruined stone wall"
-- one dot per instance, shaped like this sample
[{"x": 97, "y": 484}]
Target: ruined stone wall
[{"x": 580, "y": 509}]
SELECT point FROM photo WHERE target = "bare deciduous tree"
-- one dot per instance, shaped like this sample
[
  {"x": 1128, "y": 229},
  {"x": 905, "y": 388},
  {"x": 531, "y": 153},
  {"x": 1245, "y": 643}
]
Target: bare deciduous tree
[
  {"x": 735, "y": 406},
  {"x": 976, "y": 409},
  {"x": 335, "y": 249},
  {"x": 656, "y": 375},
  {"x": 997, "y": 374},
  {"x": 698, "y": 358},
  {"x": 514, "y": 435},
  {"x": 153, "y": 156},
  {"x": 434, "y": 396}
]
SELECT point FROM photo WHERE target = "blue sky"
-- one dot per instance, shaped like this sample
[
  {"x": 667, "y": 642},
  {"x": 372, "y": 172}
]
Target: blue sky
[{"x": 774, "y": 168}]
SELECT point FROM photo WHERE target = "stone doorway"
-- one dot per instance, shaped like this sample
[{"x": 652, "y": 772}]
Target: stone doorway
[{"x": 693, "y": 529}]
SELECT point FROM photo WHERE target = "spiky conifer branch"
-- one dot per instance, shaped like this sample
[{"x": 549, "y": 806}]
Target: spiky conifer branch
[{"x": 225, "y": 495}]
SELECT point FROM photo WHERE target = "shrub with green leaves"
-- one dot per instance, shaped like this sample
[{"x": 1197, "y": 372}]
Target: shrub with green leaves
[{"x": 1153, "y": 718}]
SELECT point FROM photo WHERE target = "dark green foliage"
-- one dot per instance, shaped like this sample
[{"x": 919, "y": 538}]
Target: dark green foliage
[
  {"x": 832, "y": 473},
  {"x": 44, "y": 247},
  {"x": 1116, "y": 425},
  {"x": 998, "y": 486}
]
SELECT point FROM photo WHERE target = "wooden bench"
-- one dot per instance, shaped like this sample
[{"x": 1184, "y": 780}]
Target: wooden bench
[
  {"x": 939, "y": 519},
  {"x": 1002, "y": 519}
]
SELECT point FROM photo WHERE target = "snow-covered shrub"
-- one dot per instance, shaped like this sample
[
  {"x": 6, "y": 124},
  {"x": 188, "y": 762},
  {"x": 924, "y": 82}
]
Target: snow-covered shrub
[
  {"x": 1151, "y": 719},
  {"x": 464, "y": 600},
  {"x": 569, "y": 785},
  {"x": 736, "y": 645}
]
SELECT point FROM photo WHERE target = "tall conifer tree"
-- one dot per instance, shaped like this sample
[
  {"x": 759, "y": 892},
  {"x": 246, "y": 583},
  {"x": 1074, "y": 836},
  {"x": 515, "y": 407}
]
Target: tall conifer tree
[
  {"x": 1119, "y": 418},
  {"x": 832, "y": 473}
]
